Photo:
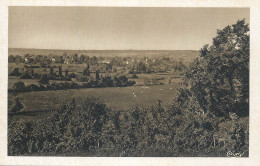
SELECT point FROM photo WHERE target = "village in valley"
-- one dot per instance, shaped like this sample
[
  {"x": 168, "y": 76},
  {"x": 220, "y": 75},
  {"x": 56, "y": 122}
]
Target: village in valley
[{"x": 80, "y": 69}]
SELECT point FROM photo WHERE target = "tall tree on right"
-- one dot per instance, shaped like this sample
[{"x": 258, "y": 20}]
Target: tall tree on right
[{"x": 219, "y": 79}]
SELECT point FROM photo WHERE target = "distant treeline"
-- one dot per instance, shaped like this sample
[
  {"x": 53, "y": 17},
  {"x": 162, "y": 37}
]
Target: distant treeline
[{"x": 44, "y": 84}]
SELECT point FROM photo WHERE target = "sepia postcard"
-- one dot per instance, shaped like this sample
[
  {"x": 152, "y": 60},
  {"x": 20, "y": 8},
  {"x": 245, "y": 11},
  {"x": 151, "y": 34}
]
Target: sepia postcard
[{"x": 129, "y": 83}]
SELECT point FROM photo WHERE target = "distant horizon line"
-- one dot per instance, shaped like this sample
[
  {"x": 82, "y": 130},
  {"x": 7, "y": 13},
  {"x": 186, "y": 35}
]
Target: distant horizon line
[{"x": 102, "y": 49}]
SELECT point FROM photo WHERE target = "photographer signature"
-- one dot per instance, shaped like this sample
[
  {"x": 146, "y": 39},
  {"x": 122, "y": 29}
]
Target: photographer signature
[{"x": 232, "y": 154}]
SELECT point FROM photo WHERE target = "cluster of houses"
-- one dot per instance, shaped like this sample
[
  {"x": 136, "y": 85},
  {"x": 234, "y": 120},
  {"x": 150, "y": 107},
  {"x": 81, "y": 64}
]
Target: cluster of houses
[
  {"x": 56, "y": 70},
  {"x": 64, "y": 59},
  {"x": 77, "y": 64}
]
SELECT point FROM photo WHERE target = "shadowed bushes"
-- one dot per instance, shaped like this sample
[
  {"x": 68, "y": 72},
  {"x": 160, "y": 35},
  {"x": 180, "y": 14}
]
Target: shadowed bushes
[{"x": 87, "y": 126}]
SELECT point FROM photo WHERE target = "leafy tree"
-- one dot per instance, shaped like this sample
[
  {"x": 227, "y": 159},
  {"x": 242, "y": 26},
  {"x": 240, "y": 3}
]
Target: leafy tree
[
  {"x": 17, "y": 105},
  {"x": 81, "y": 58},
  {"x": 72, "y": 75},
  {"x": 134, "y": 75},
  {"x": 75, "y": 57},
  {"x": 60, "y": 71},
  {"x": 94, "y": 60},
  {"x": 26, "y": 75},
  {"x": 39, "y": 59},
  {"x": 15, "y": 72},
  {"x": 107, "y": 81},
  {"x": 19, "y": 86},
  {"x": 11, "y": 58},
  {"x": 32, "y": 87},
  {"x": 66, "y": 73},
  {"x": 86, "y": 60},
  {"x": 142, "y": 67},
  {"x": 51, "y": 71},
  {"x": 44, "y": 79},
  {"x": 97, "y": 75},
  {"x": 18, "y": 59},
  {"x": 219, "y": 78},
  {"x": 86, "y": 72},
  {"x": 60, "y": 60}
]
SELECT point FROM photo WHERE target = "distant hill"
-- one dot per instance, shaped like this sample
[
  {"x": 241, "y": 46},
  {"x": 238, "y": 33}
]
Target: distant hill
[{"x": 186, "y": 55}]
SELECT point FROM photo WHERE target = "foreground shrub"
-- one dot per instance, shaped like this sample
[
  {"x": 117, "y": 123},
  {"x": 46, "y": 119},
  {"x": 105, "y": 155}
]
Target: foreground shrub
[
  {"x": 72, "y": 128},
  {"x": 86, "y": 127}
]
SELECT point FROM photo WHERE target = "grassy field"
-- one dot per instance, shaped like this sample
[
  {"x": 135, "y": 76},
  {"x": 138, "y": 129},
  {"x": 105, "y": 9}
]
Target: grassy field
[{"x": 117, "y": 98}]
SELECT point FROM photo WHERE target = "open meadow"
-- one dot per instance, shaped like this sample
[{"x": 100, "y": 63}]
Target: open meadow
[{"x": 116, "y": 98}]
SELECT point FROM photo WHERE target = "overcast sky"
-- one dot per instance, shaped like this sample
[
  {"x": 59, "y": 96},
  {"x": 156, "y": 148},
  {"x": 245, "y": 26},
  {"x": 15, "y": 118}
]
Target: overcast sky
[{"x": 118, "y": 28}]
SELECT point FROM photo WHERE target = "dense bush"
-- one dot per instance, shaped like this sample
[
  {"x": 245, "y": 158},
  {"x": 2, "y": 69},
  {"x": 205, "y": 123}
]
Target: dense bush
[
  {"x": 73, "y": 128},
  {"x": 17, "y": 105},
  {"x": 44, "y": 79},
  {"x": 25, "y": 76},
  {"x": 122, "y": 81},
  {"x": 85, "y": 126},
  {"x": 107, "y": 81},
  {"x": 19, "y": 87},
  {"x": 15, "y": 72}
]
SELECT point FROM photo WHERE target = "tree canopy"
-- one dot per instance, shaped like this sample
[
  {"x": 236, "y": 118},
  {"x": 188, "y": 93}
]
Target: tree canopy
[{"x": 219, "y": 79}]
